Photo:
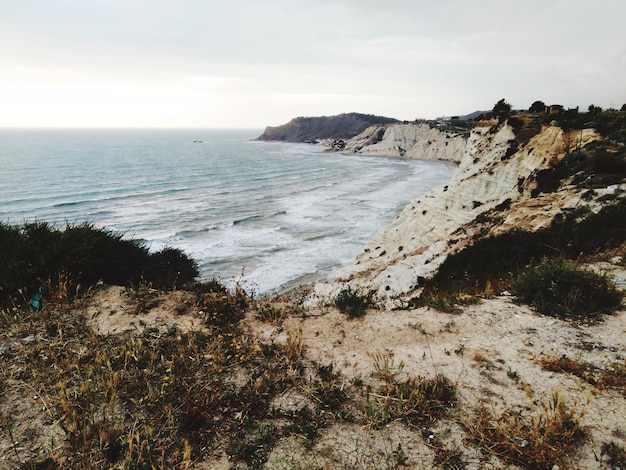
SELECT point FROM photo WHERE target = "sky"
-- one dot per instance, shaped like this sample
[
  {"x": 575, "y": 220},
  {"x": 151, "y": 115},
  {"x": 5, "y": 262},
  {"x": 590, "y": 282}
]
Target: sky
[{"x": 251, "y": 63}]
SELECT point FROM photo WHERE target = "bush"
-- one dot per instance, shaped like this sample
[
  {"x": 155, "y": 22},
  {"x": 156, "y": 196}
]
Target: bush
[
  {"x": 490, "y": 264},
  {"x": 560, "y": 288},
  {"x": 223, "y": 307},
  {"x": 170, "y": 268},
  {"x": 351, "y": 302},
  {"x": 489, "y": 261},
  {"x": 38, "y": 253},
  {"x": 595, "y": 233},
  {"x": 537, "y": 107}
]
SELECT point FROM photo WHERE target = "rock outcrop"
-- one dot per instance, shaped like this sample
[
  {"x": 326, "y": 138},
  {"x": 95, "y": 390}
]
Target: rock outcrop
[
  {"x": 313, "y": 129},
  {"x": 494, "y": 188},
  {"x": 412, "y": 140}
]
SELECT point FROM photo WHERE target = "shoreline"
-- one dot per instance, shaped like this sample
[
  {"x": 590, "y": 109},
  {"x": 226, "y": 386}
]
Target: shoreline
[
  {"x": 312, "y": 280},
  {"x": 400, "y": 157}
]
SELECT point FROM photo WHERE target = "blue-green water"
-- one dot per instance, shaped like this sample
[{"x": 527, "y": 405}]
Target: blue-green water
[{"x": 276, "y": 212}]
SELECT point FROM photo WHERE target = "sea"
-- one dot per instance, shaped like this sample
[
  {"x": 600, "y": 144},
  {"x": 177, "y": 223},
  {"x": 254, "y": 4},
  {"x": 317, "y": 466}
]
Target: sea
[{"x": 270, "y": 216}]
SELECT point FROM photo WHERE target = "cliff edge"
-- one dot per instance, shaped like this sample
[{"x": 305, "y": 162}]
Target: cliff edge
[{"x": 507, "y": 179}]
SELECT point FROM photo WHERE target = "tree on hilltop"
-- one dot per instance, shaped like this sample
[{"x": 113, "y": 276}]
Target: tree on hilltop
[
  {"x": 537, "y": 107},
  {"x": 594, "y": 110},
  {"x": 502, "y": 109}
]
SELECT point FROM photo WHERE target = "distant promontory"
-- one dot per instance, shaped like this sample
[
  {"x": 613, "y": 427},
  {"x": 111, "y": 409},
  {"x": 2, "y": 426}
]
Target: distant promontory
[{"x": 313, "y": 129}]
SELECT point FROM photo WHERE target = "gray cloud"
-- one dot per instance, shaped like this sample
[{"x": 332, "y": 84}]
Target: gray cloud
[{"x": 401, "y": 58}]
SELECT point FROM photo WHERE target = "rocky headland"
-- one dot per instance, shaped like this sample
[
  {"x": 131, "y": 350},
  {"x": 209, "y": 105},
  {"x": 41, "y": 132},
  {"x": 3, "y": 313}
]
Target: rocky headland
[{"x": 315, "y": 129}]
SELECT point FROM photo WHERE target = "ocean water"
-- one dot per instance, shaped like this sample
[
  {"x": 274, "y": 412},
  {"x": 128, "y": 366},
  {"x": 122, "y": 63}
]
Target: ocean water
[{"x": 268, "y": 215}]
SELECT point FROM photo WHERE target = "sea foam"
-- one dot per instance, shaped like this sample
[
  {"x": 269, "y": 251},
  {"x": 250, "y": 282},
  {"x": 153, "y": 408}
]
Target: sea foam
[{"x": 264, "y": 214}]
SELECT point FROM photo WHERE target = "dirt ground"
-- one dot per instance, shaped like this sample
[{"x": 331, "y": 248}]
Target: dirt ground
[{"x": 491, "y": 351}]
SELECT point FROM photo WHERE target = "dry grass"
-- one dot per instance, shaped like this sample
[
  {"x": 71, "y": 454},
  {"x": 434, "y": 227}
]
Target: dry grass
[
  {"x": 416, "y": 400},
  {"x": 612, "y": 377},
  {"x": 549, "y": 435},
  {"x": 164, "y": 398},
  {"x": 161, "y": 397},
  {"x": 144, "y": 400}
]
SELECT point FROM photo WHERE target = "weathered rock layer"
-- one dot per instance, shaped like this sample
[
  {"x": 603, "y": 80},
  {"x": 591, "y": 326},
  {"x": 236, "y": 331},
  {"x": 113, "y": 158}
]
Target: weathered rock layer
[
  {"x": 413, "y": 140},
  {"x": 492, "y": 190}
]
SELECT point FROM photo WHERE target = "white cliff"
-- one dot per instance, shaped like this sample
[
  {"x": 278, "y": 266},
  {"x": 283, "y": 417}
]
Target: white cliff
[
  {"x": 412, "y": 140},
  {"x": 494, "y": 177}
]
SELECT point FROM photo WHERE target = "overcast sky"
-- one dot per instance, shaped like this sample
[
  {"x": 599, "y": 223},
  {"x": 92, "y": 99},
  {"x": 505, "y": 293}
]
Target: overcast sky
[{"x": 252, "y": 63}]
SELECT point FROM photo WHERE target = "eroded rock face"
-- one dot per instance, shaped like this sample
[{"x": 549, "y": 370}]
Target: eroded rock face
[
  {"x": 413, "y": 140},
  {"x": 491, "y": 191}
]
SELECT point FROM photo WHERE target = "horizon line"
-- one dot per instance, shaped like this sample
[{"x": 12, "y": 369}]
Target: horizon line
[{"x": 124, "y": 128}]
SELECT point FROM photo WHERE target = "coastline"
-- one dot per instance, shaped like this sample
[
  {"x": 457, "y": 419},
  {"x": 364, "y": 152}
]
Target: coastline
[
  {"x": 281, "y": 382},
  {"x": 403, "y": 157},
  {"x": 309, "y": 281},
  {"x": 223, "y": 199}
]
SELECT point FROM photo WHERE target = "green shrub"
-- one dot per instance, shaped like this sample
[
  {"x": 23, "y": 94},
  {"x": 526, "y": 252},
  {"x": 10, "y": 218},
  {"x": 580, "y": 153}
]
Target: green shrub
[
  {"x": 595, "y": 233},
  {"x": 38, "y": 253},
  {"x": 490, "y": 264},
  {"x": 488, "y": 260},
  {"x": 170, "y": 268},
  {"x": 351, "y": 302},
  {"x": 560, "y": 288}
]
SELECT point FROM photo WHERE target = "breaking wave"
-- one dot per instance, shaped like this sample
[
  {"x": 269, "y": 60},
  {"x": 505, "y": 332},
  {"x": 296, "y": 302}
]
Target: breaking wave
[{"x": 277, "y": 212}]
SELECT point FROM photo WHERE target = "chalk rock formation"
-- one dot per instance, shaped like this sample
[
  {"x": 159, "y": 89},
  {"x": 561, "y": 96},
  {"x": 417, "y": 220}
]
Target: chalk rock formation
[
  {"x": 489, "y": 192},
  {"x": 413, "y": 140}
]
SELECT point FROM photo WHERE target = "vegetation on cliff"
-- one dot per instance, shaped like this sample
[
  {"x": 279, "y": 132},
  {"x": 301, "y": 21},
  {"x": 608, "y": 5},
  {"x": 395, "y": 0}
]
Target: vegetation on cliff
[
  {"x": 522, "y": 260},
  {"x": 38, "y": 258}
]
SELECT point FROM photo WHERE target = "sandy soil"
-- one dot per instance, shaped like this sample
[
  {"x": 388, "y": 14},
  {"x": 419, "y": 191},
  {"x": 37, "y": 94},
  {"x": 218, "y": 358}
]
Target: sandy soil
[{"x": 491, "y": 351}]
